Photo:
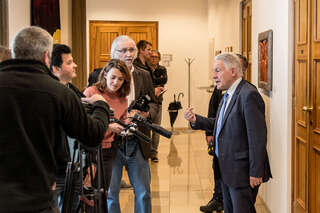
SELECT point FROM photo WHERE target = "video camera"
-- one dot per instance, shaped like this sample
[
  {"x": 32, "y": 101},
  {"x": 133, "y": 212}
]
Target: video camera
[{"x": 141, "y": 104}]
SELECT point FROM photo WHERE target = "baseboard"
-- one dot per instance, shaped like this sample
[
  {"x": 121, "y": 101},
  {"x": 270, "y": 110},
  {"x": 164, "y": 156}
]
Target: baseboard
[{"x": 264, "y": 205}]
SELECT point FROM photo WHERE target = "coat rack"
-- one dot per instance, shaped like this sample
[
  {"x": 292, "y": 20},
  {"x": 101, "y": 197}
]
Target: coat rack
[{"x": 189, "y": 62}]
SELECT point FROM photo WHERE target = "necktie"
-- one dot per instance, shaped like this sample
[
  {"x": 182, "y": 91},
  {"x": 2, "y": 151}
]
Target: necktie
[{"x": 219, "y": 123}]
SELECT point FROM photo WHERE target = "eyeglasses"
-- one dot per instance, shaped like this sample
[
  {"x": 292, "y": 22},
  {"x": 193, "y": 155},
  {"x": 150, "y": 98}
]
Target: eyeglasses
[
  {"x": 124, "y": 50},
  {"x": 155, "y": 57}
]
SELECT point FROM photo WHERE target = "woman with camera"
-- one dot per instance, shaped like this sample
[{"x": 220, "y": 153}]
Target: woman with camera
[{"x": 114, "y": 85}]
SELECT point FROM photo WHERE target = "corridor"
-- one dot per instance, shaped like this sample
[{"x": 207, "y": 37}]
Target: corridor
[{"x": 183, "y": 178}]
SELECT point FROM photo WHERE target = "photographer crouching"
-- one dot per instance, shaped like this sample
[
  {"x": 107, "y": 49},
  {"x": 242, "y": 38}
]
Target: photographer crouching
[{"x": 36, "y": 109}]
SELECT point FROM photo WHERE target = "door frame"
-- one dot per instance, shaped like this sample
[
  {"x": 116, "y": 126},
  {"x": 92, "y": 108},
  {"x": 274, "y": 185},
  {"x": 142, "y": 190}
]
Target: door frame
[
  {"x": 242, "y": 3},
  {"x": 154, "y": 45}
]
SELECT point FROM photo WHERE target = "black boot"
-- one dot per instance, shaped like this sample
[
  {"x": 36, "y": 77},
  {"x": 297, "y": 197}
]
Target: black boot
[{"x": 213, "y": 205}]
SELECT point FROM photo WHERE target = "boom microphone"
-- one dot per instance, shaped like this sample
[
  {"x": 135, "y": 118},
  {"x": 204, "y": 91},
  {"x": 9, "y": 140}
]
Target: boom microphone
[{"x": 158, "y": 129}]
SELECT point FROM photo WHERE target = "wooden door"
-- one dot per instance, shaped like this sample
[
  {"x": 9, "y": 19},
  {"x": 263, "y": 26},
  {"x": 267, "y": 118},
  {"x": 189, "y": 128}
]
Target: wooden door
[
  {"x": 306, "y": 149},
  {"x": 313, "y": 110},
  {"x": 246, "y": 8},
  {"x": 102, "y": 34},
  {"x": 301, "y": 140}
]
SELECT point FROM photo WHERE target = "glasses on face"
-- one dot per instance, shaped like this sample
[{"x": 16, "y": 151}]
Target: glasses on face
[
  {"x": 124, "y": 50},
  {"x": 154, "y": 57}
]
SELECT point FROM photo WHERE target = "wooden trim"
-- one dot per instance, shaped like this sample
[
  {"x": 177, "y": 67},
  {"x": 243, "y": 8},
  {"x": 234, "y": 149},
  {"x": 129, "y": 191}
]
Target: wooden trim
[
  {"x": 301, "y": 140},
  {"x": 117, "y": 23},
  {"x": 4, "y": 23},
  {"x": 293, "y": 132},
  {"x": 79, "y": 38},
  {"x": 315, "y": 21},
  {"x": 316, "y": 149},
  {"x": 302, "y": 123}
]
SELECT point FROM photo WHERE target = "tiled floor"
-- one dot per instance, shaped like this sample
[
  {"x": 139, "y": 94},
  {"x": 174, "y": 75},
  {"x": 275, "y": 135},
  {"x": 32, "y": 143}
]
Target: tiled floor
[{"x": 183, "y": 178}]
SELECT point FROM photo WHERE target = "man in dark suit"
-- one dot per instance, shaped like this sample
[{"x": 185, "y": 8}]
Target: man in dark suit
[
  {"x": 134, "y": 153},
  {"x": 240, "y": 136}
]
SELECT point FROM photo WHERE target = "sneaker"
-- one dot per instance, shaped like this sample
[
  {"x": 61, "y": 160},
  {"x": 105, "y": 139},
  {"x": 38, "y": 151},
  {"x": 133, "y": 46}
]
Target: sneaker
[
  {"x": 213, "y": 205},
  {"x": 155, "y": 159},
  {"x": 124, "y": 185}
]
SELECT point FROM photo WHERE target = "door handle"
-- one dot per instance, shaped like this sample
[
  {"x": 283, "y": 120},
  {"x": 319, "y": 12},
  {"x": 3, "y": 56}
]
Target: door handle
[{"x": 307, "y": 109}]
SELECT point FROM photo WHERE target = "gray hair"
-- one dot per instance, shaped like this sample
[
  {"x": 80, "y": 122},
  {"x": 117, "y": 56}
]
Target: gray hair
[
  {"x": 31, "y": 43},
  {"x": 157, "y": 51},
  {"x": 116, "y": 42},
  {"x": 230, "y": 60},
  {"x": 4, "y": 53}
]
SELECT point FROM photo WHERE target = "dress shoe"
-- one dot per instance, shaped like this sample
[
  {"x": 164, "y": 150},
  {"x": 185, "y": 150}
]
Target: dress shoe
[
  {"x": 213, "y": 205},
  {"x": 124, "y": 185}
]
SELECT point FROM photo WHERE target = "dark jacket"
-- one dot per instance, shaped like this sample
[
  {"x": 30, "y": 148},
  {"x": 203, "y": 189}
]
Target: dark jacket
[
  {"x": 138, "y": 63},
  {"x": 62, "y": 152},
  {"x": 243, "y": 137},
  {"x": 213, "y": 106},
  {"x": 34, "y": 109},
  {"x": 143, "y": 86},
  {"x": 158, "y": 76}
]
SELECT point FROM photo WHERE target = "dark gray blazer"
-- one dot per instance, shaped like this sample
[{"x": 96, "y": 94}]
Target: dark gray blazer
[
  {"x": 243, "y": 137},
  {"x": 143, "y": 86}
]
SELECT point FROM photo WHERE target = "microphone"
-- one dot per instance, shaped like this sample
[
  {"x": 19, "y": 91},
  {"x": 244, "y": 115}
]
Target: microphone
[{"x": 158, "y": 129}]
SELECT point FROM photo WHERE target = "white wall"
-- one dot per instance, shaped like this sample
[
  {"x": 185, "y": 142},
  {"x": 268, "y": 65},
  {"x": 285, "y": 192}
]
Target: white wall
[
  {"x": 224, "y": 23},
  {"x": 183, "y": 32},
  {"x": 66, "y": 22},
  {"x": 20, "y": 17},
  {"x": 278, "y": 16}
]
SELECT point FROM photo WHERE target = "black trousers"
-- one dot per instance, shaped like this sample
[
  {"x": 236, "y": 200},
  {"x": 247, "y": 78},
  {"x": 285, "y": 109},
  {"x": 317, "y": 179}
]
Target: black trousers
[
  {"x": 240, "y": 199},
  {"x": 108, "y": 156},
  {"x": 217, "y": 194}
]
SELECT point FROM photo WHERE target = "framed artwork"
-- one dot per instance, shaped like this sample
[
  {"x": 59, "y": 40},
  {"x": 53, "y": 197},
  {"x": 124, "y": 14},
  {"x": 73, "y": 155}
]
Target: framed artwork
[{"x": 265, "y": 60}]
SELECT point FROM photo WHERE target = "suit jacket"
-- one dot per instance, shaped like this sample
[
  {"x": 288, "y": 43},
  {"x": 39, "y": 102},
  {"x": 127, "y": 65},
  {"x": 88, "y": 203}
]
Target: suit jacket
[
  {"x": 143, "y": 86},
  {"x": 243, "y": 137},
  {"x": 214, "y": 105}
]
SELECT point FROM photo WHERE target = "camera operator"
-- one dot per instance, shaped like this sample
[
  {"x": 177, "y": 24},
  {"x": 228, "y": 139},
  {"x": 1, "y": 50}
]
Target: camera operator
[
  {"x": 114, "y": 85},
  {"x": 36, "y": 108},
  {"x": 134, "y": 153},
  {"x": 64, "y": 68}
]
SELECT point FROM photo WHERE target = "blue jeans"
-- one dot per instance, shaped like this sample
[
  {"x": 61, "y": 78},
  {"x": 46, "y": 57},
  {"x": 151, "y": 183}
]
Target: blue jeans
[{"x": 139, "y": 175}]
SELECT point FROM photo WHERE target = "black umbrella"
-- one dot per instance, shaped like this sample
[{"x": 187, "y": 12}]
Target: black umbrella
[{"x": 174, "y": 108}]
